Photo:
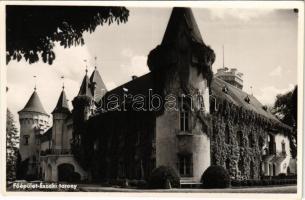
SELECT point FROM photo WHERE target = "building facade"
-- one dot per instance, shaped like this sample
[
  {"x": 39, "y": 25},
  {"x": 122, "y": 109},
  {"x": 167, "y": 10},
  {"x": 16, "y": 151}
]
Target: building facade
[{"x": 178, "y": 115}]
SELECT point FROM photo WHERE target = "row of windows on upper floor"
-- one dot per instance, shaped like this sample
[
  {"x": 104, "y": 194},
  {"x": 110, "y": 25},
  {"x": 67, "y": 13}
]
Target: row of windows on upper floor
[{"x": 31, "y": 121}]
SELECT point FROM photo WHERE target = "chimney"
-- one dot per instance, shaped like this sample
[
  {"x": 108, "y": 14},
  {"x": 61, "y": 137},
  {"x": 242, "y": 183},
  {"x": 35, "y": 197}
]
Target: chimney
[{"x": 134, "y": 77}]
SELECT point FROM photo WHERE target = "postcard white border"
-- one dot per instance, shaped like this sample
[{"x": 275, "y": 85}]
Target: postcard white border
[{"x": 197, "y": 4}]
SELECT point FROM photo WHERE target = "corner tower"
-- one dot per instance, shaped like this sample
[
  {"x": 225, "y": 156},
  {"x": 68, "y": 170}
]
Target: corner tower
[
  {"x": 181, "y": 65},
  {"x": 33, "y": 121}
]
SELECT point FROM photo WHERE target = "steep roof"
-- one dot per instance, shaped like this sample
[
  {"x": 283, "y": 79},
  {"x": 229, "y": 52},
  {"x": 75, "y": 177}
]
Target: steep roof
[
  {"x": 34, "y": 105},
  {"x": 238, "y": 96},
  {"x": 85, "y": 87},
  {"x": 98, "y": 87},
  {"x": 62, "y": 104},
  {"x": 141, "y": 85},
  {"x": 138, "y": 86},
  {"x": 182, "y": 18}
]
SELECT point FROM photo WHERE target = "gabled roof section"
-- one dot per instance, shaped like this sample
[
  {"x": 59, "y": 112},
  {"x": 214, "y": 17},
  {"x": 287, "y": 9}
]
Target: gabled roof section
[
  {"x": 85, "y": 87},
  {"x": 62, "y": 104},
  {"x": 239, "y": 98},
  {"x": 34, "y": 105},
  {"x": 98, "y": 88},
  {"x": 182, "y": 18}
]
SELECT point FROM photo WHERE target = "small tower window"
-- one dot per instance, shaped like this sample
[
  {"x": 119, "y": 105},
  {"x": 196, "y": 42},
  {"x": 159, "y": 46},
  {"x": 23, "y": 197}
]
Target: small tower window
[
  {"x": 185, "y": 165},
  {"x": 26, "y": 139}
]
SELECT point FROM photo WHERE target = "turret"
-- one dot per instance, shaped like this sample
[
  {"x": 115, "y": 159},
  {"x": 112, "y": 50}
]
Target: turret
[
  {"x": 33, "y": 121},
  {"x": 182, "y": 64},
  {"x": 97, "y": 86},
  {"x": 60, "y": 113}
]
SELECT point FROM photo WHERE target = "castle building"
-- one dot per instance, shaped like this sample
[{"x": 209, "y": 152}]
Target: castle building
[{"x": 177, "y": 115}]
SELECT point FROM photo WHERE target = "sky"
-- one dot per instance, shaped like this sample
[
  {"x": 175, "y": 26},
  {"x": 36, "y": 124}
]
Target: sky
[{"x": 260, "y": 43}]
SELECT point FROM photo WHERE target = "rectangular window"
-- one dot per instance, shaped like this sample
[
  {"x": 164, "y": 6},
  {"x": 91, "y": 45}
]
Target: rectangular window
[
  {"x": 184, "y": 114},
  {"x": 26, "y": 139},
  {"x": 185, "y": 165},
  {"x": 283, "y": 147}
]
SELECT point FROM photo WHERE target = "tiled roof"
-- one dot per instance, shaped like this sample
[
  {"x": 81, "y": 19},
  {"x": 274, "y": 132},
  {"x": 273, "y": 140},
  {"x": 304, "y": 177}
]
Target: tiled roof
[
  {"x": 141, "y": 85},
  {"x": 238, "y": 97},
  {"x": 34, "y": 105}
]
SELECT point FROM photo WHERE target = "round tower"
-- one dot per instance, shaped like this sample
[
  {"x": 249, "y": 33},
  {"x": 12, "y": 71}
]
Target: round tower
[
  {"x": 33, "y": 121},
  {"x": 182, "y": 65}
]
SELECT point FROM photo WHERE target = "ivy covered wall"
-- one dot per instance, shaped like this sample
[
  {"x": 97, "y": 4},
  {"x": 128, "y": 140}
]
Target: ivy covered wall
[{"x": 237, "y": 139}]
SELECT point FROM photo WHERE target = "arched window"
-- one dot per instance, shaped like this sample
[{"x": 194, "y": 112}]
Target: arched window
[
  {"x": 227, "y": 135},
  {"x": 240, "y": 138}
]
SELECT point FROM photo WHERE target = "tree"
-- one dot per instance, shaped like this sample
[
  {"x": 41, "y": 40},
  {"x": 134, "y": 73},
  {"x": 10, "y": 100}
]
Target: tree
[
  {"x": 285, "y": 109},
  {"x": 12, "y": 141},
  {"x": 31, "y": 31}
]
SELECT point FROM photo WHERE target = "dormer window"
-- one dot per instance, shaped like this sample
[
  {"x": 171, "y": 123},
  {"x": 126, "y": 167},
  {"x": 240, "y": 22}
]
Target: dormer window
[
  {"x": 225, "y": 89},
  {"x": 247, "y": 99}
]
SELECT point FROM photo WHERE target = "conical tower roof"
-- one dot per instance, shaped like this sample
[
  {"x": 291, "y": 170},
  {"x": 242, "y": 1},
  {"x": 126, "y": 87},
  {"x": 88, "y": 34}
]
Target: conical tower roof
[
  {"x": 98, "y": 88},
  {"x": 85, "y": 87},
  {"x": 182, "y": 18},
  {"x": 34, "y": 105},
  {"x": 62, "y": 104}
]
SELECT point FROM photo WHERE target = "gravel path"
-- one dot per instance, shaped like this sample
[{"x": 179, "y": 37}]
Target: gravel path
[{"x": 269, "y": 189}]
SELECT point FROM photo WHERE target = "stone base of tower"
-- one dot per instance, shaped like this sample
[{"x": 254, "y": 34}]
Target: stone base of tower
[{"x": 188, "y": 153}]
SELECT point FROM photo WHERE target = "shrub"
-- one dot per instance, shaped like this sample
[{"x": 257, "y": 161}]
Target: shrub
[
  {"x": 162, "y": 176},
  {"x": 215, "y": 177},
  {"x": 235, "y": 183},
  {"x": 265, "y": 182},
  {"x": 137, "y": 183},
  {"x": 282, "y": 175}
]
